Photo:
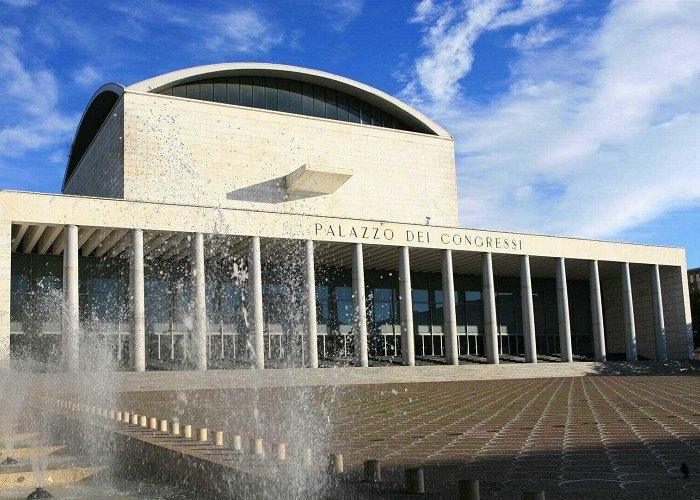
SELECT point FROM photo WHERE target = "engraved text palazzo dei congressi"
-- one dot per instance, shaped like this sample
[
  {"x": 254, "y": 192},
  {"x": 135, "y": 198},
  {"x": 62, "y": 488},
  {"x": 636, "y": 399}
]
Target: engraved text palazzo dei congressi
[{"x": 379, "y": 234}]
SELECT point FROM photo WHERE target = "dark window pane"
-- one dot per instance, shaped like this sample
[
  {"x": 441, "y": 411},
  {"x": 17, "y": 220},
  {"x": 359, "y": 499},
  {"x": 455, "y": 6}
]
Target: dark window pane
[
  {"x": 271, "y": 93},
  {"x": 342, "y": 107},
  {"x": 220, "y": 92},
  {"x": 307, "y": 99},
  {"x": 258, "y": 92},
  {"x": 167, "y": 91},
  {"x": 180, "y": 91},
  {"x": 295, "y": 97},
  {"x": 283, "y": 95},
  {"x": 319, "y": 102},
  {"x": 382, "y": 294},
  {"x": 207, "y": 91},
  {"x": 343, "y": 293},
  {"x": 331, "y": 105},
  {"x": 364, "y": 113},
  {"x": 353, "y": 110},
  {"x": 246, "y": 91},
  {"x": 420, "y": 296},
  {"x": 472, "y": 296},
  {"x": 376, "y": 117},
  {"x": 233, "y": 91},
  {"x": 193, "y": 91}
]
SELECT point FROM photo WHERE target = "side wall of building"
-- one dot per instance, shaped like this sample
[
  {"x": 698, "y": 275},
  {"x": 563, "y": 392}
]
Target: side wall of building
[
  {"x": 210, "y": 154},
  {"x": 101, "y": 170},
  {"x": 5, "y": 284},
  {"x": 676, "y": 302}
]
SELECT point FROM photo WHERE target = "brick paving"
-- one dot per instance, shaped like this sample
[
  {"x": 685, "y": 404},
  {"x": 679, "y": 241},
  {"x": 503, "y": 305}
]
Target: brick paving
[{"x": 574, "y": 437}]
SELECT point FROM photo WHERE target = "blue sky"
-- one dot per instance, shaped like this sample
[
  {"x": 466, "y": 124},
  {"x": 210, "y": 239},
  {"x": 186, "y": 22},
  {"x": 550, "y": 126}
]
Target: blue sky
[{"x": 570, "y": 117}]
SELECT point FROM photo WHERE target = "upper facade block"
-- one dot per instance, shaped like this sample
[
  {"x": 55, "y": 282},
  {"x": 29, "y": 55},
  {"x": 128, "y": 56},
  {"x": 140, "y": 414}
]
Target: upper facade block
[{"x": 265, "y": 137}]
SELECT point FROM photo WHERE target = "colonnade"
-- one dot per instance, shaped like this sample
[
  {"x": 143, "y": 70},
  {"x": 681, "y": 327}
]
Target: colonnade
[{"x": 70, "y": 323}]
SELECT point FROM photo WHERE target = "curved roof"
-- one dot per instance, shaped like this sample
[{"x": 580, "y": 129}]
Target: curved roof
[
  {"x": 94, "y": 116},
  {"x": 410, "y": 116}
]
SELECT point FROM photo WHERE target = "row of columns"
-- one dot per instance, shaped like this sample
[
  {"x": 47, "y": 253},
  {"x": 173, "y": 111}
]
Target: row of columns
[{"x": 70, "y": 323}]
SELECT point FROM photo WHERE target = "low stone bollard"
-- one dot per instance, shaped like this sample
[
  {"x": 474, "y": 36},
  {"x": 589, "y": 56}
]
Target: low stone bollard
[
  {"x": 163, "y": 426},
  {"x": 414, "y": 480},
  {"x": 219, "y": 439},
  {"x": 111, "y": 414},
  {"x": 126, "y": 418},
  {"x": 188, "y": 432},
  {"x": 237, "y": 444},
  {"x": 308, "y": 457},
  {"x": 134, "y": 419},
  {"x": 281, "y": 452},
  {"x": 175, "y": 428},
  {"x": 118, "y": 416},
  {"x": 153, "y": 423},
  {"x": 533, "y": 495},
  {"x": 256, "y": 447},
  {"x": 468, "y": 489},
  {"x": 143, "y": 421},
  {"x": 373, "y": 471},
  {"x": 335, "y": 463},
  {"x": 202, "y": 434}
]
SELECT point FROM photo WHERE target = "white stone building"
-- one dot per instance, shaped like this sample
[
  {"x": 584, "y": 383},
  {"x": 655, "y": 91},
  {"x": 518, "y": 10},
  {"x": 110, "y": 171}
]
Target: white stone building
[{"x": 257, "y": 214}]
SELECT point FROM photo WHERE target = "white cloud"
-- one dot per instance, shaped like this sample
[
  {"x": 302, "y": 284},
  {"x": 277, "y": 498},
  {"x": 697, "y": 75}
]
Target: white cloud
[
  {"x": 595, "y": 135},
  {"x": 451, "y": 30},
  {"x": 340, "y": 12},
  {"x": 87, "y": 76},
  {"x": 243, "y": 30},
  {"x": 536, "y": 37},
  {"x": 28, "y": 104},
  {"x": 20, "y": 3}
]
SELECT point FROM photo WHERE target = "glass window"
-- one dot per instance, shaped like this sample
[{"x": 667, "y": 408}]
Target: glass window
[
  {"x": 353, "y": 110},
  {"x": 246, "y": 85},
  {"x": 383, "y": 294},
  {"x": 342, "y": 100},
  {"x": 319, "y": 102},
  {"x": 180, "y": 91},
  {"x": 295, "y": 99},
  {"x": 271, "y": 93},
  {"x": 331, "y": 104},
  {"x": 376, "y": 116},
  {"x": 307, "y": 99},
  {"x": 206, "y": 90},
  {"x": 283, "y": 95},
  {"x": 473, "y": 296},
  {"x": 166, "y": 91},
  {"x": 219, "y": 91},
  {"x": 364, "y": 113},
  {"x": 193, "y": 91},
  {"x": 258, "y": 92},
  {"x": 420, "y": 295}
]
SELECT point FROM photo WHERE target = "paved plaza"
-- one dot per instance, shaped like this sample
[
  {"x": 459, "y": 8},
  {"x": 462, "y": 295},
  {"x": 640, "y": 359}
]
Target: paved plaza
[{"x": 592, "y": 436}]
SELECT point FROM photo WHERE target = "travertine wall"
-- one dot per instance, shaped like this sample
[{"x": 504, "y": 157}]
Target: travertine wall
[
  {"x": 210, "y": 154},
  {"x": 5, "y": 280},
  {"x": 101, "y": 170}
]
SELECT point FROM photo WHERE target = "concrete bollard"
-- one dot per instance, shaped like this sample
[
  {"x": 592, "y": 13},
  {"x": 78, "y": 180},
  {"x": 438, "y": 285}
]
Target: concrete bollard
[
  {"x": 119, "y": 416},
  {"x": 256, "y": 447},
  {"x": 219, "y": 439},
  {"x": 143, "y": 421},
  {"x": 153, "y": 423},
  {"x": 373, "y": 471},
  {"x": 163, "y": 426},
  {"x": 414, "y": 480},
  {"x": 134, "y": 419},
  {"x": 468, "y": 489},
  {"x": 308, "y": 457},
  {"x": 281, "y": 452},
  {"x": 202, "y": 435},
  {"x": 335, "y": 463},
  {"x": 126, "y": 418},
  {"x": 111, "y": 414},
  {"x": 188, "y": 432},
  {"x": 175, "y": 429},
  {"x": 533, "y": 495},
  {"x": 237, "y": 444}
]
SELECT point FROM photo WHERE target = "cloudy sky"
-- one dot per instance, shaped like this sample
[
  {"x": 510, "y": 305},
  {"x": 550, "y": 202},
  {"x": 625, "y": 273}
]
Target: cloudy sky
[{"x": 573, "y": 117}]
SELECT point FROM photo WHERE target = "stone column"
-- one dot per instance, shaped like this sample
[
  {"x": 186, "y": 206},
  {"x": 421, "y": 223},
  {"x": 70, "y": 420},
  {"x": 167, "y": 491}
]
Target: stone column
[
  {"x": 359, "y": 307},
  {"x": 406, "y": 305},
  {"x": 311, "y": 322},
  {"x": 256, "y": 302},
  {"x": 5, "y": 286},
  {"x": 528, "y": 310},
  {"x": 597, "y": 313},
  {"x": 489, "y": 298},
  {"x": 71, "y": 317},
  {"x": 659, "y": 323},
  {"x": 628, "y": 307},
  {"x": 563, "y": 307},
  {"x": 137, "y": 298},
  {"x": 200, "y": 307},
  {"x": 448, "y": 308}
]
